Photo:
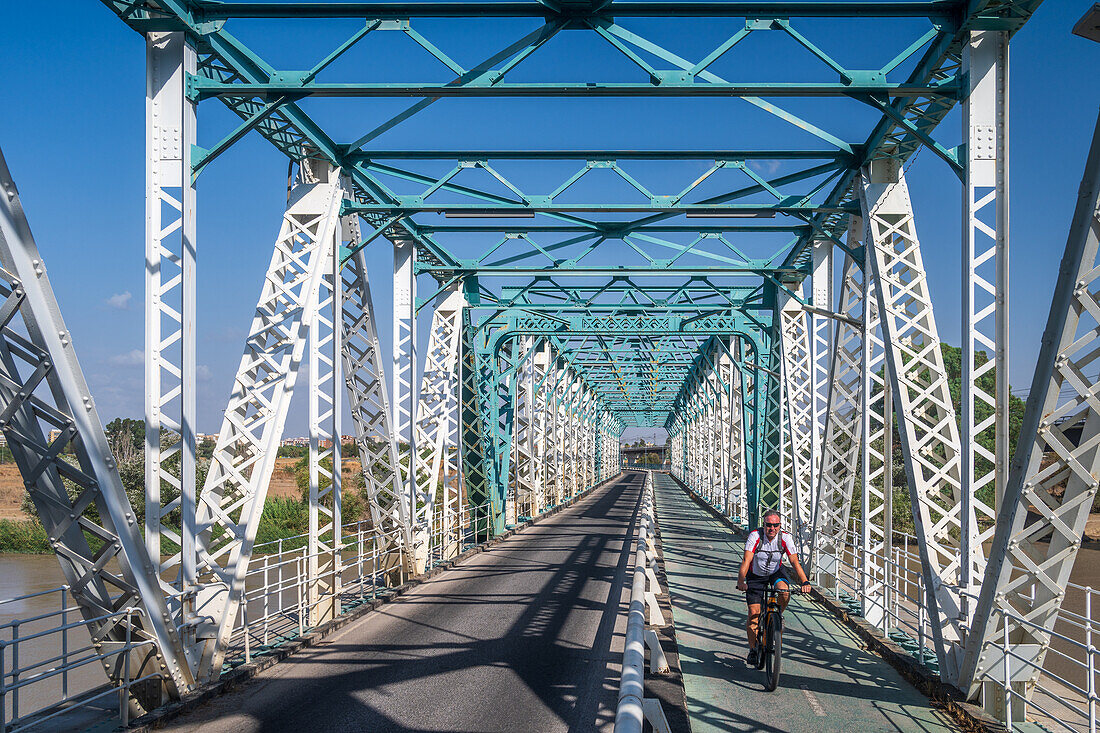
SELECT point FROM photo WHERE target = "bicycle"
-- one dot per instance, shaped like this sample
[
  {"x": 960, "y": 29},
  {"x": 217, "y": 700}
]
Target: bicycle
[{"x": 770, "y": 641}]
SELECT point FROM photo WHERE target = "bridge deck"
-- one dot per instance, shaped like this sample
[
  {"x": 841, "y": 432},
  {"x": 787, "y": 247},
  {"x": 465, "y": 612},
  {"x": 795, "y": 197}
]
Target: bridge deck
[
  {"x": 829, "y": 682},
  {"x": 519, "y": 638}
]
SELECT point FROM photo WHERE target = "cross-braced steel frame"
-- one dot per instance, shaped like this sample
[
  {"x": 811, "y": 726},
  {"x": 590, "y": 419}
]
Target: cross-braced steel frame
[{"x": 772, "y": 312}]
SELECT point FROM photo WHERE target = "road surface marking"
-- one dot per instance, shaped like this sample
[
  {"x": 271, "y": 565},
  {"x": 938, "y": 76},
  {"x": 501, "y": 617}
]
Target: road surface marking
[{"x": 815, "y": 704}]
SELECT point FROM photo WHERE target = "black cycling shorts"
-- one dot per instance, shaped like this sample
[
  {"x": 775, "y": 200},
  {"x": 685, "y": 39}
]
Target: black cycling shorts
[{"x": 757, "y": 584}]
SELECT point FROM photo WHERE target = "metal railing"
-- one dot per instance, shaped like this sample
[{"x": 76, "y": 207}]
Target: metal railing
[
  {"x": 1065, "y": 694},
  {"x": 77, "y": 653},
  {"x": 49, "y": 667},
  {"x": 633, "y": 707}
]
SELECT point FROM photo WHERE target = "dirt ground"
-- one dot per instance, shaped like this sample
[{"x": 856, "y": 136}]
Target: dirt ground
[
  {"x": 11, "y": 491},
  {"x": 282, "y": 484}
]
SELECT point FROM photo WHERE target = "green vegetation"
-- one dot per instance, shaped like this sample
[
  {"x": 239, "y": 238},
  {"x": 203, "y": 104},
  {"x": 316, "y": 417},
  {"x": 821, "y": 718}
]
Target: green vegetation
[
  {"x": 27, "y": 537},
  {"x": 282, "y": 517},
  {"x": 902, "y": 508}
]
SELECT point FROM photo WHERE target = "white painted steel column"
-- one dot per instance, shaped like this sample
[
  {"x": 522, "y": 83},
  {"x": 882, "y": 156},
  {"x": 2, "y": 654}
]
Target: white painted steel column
[
  {"x": 406, "y": 389},
  {"x": 325, "y": 406},
  {"x": 929, "y": 433},
  {"x": 232, "y": 498},
  {"x": 170, "y": 305},
  {"x": 821, "y": 343},
  {"x": 985, "y": 296}
]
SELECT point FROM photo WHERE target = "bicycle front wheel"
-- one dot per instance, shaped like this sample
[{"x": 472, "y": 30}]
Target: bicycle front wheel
[{"x": 773, "y": 651}]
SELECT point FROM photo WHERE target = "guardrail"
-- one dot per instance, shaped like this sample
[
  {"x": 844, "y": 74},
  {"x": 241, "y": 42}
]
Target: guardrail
[
  {"x": 49, "y": 667},
  {"x": 19, "y": 674},
  {"x": 633, "y": 706},
  {"x": 1065, "y": 697}
]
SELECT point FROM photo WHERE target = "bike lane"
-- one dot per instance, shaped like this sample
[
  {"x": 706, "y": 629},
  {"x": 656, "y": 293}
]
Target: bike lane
[{"x": 828, "y": 682}]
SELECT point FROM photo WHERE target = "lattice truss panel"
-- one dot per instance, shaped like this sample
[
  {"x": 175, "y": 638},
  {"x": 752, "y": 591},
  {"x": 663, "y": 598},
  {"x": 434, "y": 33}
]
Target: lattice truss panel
[
  {"x": 53, "y": 430},
  {"x": 713, "y": 426},
  {"x": 774, "y": 492},
  {"x": 929, "y": 431},
  {"x": 706, "y": 437},
  {"x": 325, "y": 455},
  {"x": 552, "y": 464},
  {"x": 232, "y": 499},
  {"x": 509, "y": 362},
  {"x": 752, "y": 423},
  {"x": 857, "y": 407},
  {"x": 368, "y": 401},
  {"x": 843, "y": 423},
  {"x": 437, "y": 425},
  {"x": 796, "y": 359},
  {"x": 1054, "y": 473},
  {"x": 734, "y": 500}
]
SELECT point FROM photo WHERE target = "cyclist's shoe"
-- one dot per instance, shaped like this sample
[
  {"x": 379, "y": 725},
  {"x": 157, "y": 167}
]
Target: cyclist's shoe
[{"x": 754, "y": 657}]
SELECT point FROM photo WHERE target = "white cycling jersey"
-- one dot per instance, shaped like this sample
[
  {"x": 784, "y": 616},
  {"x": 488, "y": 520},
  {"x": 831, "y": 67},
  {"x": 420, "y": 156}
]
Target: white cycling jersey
[{"x": 768, "y": 555}]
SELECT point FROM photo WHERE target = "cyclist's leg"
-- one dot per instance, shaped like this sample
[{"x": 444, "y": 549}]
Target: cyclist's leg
[
  {"x": 753, "y": 624},
  {"x": 783, "y": 585},
  {"x": 754, "y": 596}
]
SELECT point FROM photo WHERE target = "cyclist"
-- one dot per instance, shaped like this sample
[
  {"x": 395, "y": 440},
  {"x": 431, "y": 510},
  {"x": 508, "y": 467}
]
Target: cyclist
[{"x": 762, "y": 567}]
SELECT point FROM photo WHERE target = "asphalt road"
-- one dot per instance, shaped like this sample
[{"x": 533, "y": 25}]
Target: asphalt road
[
  {"x": 524, "y": 637},
  {"x": 829, "y": 681}
]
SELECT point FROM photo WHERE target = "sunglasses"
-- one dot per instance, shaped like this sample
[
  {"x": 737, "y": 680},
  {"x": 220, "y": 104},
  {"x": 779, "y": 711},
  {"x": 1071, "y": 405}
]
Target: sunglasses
[{"x": 771, "y": 524}]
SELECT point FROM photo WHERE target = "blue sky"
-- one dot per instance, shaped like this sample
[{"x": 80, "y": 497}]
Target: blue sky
[{"x": 72, "y": 133}]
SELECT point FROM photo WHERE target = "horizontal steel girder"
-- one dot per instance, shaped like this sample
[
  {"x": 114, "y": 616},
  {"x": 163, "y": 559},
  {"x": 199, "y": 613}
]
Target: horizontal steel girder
[
  {"x": 933, "y": 9},
  {"x": 200, "y": 88}
]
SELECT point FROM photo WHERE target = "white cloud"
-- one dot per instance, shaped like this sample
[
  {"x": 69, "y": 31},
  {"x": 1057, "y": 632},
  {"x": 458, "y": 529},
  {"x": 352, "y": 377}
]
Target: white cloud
[
  {"x": 136, "y": 357},
  {"x": 766, "y": 167},
  {"x": 203, "y": 373},
  {"x": 120, "y": 301}
]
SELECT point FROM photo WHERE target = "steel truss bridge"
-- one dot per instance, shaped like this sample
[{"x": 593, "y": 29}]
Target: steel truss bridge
[{"x": 574, "y": 293}]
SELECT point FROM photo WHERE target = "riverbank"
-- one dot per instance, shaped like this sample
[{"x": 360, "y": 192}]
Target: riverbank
[
  {"x": 282, "y": 519},
  {"x": 285, "y": 515}
]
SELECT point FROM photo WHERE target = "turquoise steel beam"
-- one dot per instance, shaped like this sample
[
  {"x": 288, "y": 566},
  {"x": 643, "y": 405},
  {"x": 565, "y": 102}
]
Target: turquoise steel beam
[
  {"x": 716, "y": 210},
  {"x": 940, "y": 10},
  {"x": 199, "y": 88},
  {"x": 841, "y": 156}
]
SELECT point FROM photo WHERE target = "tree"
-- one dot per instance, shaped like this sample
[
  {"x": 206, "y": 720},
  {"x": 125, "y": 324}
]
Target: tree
[{"x": 126, "y": 437}]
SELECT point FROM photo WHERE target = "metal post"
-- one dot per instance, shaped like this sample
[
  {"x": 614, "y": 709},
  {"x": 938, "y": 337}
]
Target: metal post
[
  {"x": 170, "y": 123},
  {"x": 1041, "y": 553},
  {"x": 325, "y": 405},
  {"x": 244, "y": 456},
  {"x": 985, "y": 291},
  {"x": 1090, "y": 654},
  {"x": 406, "y": 387}
]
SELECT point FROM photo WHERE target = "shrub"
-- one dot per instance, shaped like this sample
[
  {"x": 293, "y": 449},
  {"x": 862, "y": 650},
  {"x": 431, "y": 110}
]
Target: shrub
[{"x": 25, "y": 537}]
